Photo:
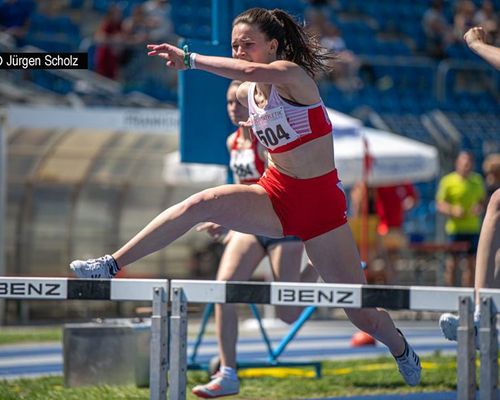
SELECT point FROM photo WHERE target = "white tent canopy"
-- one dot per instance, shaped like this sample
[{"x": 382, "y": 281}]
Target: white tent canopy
[{"x": 396, "y": 159}]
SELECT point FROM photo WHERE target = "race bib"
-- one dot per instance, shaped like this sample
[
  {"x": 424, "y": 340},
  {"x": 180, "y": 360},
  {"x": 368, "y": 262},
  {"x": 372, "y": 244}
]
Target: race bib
[
  {"x": 272, "y": 128},
  {"x": 243, "y": 164}
]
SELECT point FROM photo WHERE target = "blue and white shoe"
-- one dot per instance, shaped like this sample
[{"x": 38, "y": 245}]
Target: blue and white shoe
[
  {"x": 219, "y": 386},
  {"x": 100, "y": 268},
  {"x": 409, "y": 364},
  {"x": 449, "y": 326}
]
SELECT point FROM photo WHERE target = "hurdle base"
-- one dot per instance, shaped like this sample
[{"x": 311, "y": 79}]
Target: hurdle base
[{"x": 107, "y": 352}]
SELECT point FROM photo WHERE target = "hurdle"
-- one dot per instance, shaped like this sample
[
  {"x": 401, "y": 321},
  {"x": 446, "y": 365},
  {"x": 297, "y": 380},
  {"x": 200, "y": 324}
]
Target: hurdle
[
  {"x": 416, "y": 298},
  {"x": 488, "y": 343},
  {"x": 154, "y": 290}
]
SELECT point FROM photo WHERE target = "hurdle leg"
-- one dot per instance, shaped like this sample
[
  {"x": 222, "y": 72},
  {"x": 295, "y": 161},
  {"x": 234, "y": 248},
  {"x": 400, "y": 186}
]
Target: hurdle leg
[
  {"x": 158, "y": 366},
  {"x": 488, "y": 337},
  {"x": 466, "y": 366},
  {"x": 178, "y": 345},
  {"x": 207, "y": 312},
  {"x": 304, "y": 316}
]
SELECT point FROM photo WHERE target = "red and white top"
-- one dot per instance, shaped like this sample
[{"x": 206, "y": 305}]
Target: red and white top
[
  {"x": 282, "y": 126},
  {"x": 245, "y": 163}
]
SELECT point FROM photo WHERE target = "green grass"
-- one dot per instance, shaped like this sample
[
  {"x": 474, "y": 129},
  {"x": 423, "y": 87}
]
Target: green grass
[
  {"x": 342, "y": 378},
  {"x": 30, "y": 334}
]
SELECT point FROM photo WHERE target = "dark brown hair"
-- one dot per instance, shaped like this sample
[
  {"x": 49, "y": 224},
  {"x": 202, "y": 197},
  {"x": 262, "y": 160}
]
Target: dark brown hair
[{"x": 295, "y": 44}]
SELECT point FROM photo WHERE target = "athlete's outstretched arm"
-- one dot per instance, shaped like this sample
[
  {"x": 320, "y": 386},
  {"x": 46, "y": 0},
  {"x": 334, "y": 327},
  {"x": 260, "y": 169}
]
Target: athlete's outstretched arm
[{"x": 279, "y": 72}]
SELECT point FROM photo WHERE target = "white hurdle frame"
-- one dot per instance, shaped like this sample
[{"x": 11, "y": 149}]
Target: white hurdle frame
[
  {"x": 488, "y": 341},
  {"x": 154, "y": 290},
  {"x": 417, "y": 298}
]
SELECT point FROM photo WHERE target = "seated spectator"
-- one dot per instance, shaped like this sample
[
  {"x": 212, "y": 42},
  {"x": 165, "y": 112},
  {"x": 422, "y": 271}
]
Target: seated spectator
[
  {"x": 109, "y": 43},
  {"x": 158, "y": 13},
  {"x": 345, "y": 71},
  {"x": 463, "y": 19},
  {"x": 438, "y": 32},
  {"x": 15, "y": 17}
]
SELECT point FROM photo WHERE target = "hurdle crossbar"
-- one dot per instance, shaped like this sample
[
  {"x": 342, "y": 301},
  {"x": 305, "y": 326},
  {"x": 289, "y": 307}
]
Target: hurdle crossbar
[
  {"x": 154, "y": 290},
  {"x": 417, "y": 298}
]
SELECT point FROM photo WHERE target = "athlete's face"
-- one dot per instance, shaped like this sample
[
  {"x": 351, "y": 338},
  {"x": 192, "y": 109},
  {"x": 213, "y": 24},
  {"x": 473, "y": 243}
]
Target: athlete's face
[
  {"x": 249, "y": 43},
  {"x": 236, "y": 111}
]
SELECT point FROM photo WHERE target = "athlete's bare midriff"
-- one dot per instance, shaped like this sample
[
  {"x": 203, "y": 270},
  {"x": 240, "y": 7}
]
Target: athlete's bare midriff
[{"x": 309, "y": 160}]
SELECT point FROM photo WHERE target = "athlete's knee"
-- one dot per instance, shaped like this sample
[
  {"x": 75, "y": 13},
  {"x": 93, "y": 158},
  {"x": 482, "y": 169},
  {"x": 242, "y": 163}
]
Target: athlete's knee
[
  {"x": 224, "y": 276},
  {"x": 201, "y": 202},
  {"x": 365, "y": 319}
]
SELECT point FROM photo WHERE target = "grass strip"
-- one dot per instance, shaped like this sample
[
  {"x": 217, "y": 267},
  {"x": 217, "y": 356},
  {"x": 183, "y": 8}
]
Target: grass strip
[{"x": 340, "y": 378}]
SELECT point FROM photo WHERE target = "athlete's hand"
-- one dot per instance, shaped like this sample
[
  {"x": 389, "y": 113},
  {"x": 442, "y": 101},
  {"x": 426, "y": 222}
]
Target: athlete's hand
[
  {"x": 173, "y": 55},
  {"x": 475, "y": 36},
  {"x": 215, "y": 230},
  {"x": 246, "y": 124}
]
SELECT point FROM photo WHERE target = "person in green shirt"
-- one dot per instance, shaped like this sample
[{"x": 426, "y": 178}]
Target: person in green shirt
[{"x": 460, "y": 197}]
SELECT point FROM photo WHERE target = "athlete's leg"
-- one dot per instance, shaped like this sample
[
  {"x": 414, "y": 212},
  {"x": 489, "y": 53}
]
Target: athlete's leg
[
  {"x": 309, "y": 273},
  {"x": 286, "y": 260},
  {"x": 487, "y": 274},
  {"x": 240, "y": 207},
  {"x": 488, "y": 249},
  {"x": 241, "y": 256},
  {"x": 335, "y": 256}
]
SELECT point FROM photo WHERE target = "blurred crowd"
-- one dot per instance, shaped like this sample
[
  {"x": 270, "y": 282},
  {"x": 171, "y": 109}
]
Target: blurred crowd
[
  {"x": 441, "y": 32},
  {"x": 120, "y": 41},
  {"x": 119, "y": 36}
]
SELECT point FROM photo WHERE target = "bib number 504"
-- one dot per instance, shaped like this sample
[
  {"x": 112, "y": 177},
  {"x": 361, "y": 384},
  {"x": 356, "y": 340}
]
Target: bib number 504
[{"x": 269, "y": 137}]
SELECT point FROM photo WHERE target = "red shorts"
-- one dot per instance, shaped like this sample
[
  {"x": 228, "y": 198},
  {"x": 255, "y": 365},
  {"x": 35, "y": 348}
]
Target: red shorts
[{"x": 306, "y": 207}]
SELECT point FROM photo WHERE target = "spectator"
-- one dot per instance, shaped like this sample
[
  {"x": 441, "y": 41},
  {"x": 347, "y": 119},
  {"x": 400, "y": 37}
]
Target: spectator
[
  {"x": 346, "y": 65},
  {"x": 437, "y": 31},
  {"x": 391, "y": 203},
  {"x": 464, "y": 18},
  {"x": 460, "y": 197},
  {"x": 15, "y": 18},
  {"x": 158, "y": 13},
  {"x": 137, "y": 31},
  {"x": 109, "y": 43},
  {"x": 364, "y": 231}
]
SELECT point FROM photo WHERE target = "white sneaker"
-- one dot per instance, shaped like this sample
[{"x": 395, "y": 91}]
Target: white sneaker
[
  {"x": 219, "y": 386},
  {"x": 449, "y": 326},
  {"x": 409, "y": 364},
  {"x": 103, "y": 267}
]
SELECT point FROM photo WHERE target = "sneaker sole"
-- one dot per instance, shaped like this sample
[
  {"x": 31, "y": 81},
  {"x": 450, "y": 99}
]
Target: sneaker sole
[{"x": 208, "y": 396}]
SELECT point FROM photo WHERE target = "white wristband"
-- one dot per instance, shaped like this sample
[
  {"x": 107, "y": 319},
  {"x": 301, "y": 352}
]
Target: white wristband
[{"x": 192, "y": 58}]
